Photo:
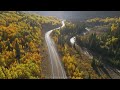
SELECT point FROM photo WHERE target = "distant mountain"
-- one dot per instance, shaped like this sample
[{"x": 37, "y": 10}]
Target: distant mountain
[
  {"x": 58, "y": 14},
  {"x": 92, "y": 14},
  {"x": 77, "y": 15}
]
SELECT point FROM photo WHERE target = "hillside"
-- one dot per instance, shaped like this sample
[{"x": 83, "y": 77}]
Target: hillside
[
  {"x": 22, "y": 44},
  {"x": 95, "y": 53}
]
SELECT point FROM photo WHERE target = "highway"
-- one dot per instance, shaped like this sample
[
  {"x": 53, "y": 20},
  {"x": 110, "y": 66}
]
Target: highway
[{"x": 57, "y": 67}]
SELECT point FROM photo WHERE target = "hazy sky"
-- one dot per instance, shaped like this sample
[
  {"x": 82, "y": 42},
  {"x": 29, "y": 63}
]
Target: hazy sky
[
  {"x": 77, "y": 14},
  {"x": 58, "y": 14}
]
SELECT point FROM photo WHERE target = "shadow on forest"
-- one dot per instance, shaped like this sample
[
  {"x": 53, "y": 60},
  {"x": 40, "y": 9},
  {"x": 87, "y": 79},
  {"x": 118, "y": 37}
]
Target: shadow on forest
[
  {"x": 100, "y": 70},
  {"x": 101, "y": 67},
  {"x": 106, "y": 72},
  {"x": 96, "y": 70}
]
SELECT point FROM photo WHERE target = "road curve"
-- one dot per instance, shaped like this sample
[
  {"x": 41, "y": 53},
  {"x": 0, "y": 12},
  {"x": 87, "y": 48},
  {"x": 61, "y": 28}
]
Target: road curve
[
  {"x": 57, "y": 68},
  {"x": 83, "y": 50},
  {"x": 112, "y": 72}
]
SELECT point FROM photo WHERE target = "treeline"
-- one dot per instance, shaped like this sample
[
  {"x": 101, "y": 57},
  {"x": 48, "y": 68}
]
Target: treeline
[
  {"x": 102, "y": 21},
  {"x": 21, "y": 44}
]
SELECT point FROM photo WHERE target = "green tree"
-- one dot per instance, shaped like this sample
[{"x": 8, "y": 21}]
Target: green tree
[{"x": 17, "y": 51}]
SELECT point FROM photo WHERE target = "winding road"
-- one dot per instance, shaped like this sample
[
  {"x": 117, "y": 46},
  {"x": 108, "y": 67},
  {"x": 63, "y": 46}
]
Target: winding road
[
  {"x": 57, "y": 68},
  {"x": 110, "y": 71},
  {"x": 83, "y": 50}
]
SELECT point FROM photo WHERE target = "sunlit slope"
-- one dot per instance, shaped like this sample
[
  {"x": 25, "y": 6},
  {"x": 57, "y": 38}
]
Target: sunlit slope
[{"x": 21, "y": 44}]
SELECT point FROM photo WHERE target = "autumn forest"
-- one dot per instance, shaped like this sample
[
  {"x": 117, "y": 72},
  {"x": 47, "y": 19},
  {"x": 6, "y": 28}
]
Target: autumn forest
[{"x": 34, "y": 46}]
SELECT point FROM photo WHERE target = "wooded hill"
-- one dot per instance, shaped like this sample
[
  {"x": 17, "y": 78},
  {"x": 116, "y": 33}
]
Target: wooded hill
[{"x": 21, "y": 44}]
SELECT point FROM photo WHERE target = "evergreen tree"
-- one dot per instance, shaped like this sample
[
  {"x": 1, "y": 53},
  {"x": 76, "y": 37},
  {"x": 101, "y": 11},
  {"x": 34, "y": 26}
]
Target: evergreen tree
[{"x": 17, "y": 51}]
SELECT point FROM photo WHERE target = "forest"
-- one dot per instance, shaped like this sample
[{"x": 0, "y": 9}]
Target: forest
[
  {"x": 77, "y": 66},
  {"x": 33, "y": 46},
  {"x": 21, "y": 44},
  {"x": 102, "y": 41}
]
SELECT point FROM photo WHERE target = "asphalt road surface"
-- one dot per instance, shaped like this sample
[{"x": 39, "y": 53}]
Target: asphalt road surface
[{"x": 57, "y": 68}]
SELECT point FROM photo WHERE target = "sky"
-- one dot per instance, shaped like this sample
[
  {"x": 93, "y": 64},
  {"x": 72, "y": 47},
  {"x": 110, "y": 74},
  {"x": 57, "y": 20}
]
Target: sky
[{"x": 77, "y": 14}]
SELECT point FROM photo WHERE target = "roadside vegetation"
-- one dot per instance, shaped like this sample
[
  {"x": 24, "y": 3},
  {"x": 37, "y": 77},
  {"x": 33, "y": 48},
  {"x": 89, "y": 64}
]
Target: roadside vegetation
[
  {"x": 103, "y": 41},
  {"x": 76, "y": 64},
  {"x": 21, "y": 44}
]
